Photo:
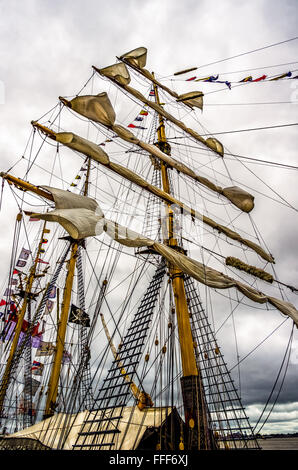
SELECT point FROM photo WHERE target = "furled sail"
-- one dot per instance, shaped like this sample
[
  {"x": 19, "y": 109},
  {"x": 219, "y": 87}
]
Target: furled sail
[
  {"x": 180, "y": 72},
  {"x": 237, "y": 263},
  {"x": 117, "y": 72},
  {"x": 101, "y": 111},
  {"x": 138, "y": 95},
  {"x": 239, "y": 197},
  {"x": 192, "y": 98},
  {"x": 137, "y": 57},
  {"x": 215, "y": 145},
  {"x": 97, "y": 108},
  {"x": 81, "y": 216},
  {"x": 137, "y": 60},
  {"x": 77, "y": 143}
]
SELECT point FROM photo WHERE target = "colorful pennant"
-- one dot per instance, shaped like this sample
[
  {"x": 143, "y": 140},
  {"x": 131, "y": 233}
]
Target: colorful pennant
[
  {"x": 46, "y": 349},
  {"x": 214, "y": 79},
  {"x": 208, "y": 79},
  {"x": 39, "y": 260},
  {"x": 139, "y": 118},
  {"x": 24, "y": 254},
  {"x": 246, "y": 79},
  {"x": 260, "y": 78},
  {"x": 21, "y": 263},
  {"x": 49, "y": 307},
  {"x": 52, "y": 293},
  {"x": 284, "y": 75},
  {"x": 66, "y": 359},
  {"x": 37, "y": 368},
  {"x": 137, "y": 127}
]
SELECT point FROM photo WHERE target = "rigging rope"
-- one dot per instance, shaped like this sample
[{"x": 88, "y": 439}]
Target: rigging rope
[
  {"x": 249, "y": 104},
  {"x": 245, "y": 53},
  {"x": 253, "y": 129},
  {"x": 287, "y": 352}
]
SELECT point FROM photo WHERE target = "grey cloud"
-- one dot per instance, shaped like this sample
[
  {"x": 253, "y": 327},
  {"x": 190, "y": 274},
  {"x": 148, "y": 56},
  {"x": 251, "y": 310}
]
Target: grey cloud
[{"x": 48, "y": 49}]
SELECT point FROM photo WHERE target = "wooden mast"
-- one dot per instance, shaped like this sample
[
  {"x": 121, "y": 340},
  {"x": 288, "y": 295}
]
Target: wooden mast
[
  {"x": 52, "y": 392},
  {"x": 189, "y": 367},
  {"x": 194, "y": 405},
  {"x": 61, "y": 333},
  {"x": 21, "y": 316}
]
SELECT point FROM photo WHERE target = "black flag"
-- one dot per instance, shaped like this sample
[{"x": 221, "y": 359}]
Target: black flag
[{"x": 78, "y": 316}]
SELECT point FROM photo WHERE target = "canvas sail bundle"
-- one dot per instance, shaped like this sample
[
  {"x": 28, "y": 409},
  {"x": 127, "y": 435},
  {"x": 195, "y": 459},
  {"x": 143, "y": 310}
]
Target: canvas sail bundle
[
  {"x": 98, "y": 108},
  {"x": 137, "y": 57},
  {"x": 79, "y": 207},
  {"x": 239, "y": 197},
  {"x": 133, "y": 177},
  {"x": 82, "y": 145},
  {"x": 101, "y": 111},
  {"x": 137, "y": 60},
  {"x": 192, "y": 98},
  {"x": 78, "y": 215},
  {"x": 237, "y": 263},
  {"x": 117, "y": 72},
  {"x": 213, "y": 144}
]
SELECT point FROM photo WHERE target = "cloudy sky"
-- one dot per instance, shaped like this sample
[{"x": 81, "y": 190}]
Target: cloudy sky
[{"x": 48, "y": 48}]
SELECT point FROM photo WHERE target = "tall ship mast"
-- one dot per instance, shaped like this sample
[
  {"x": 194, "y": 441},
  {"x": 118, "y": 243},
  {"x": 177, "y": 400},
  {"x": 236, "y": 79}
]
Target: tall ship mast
[{"x": 124, "y": 248}]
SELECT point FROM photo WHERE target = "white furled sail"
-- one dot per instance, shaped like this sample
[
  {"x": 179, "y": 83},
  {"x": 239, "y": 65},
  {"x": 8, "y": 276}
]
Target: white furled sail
[
  {"x": 136, "y": 57},
  {"x": 215, "y": 145},
  {"x": 117, "y": 72},
  {"x": 98, "y": 108},
  {"x": 192, "y": 98},
  {"x": 159, "y": 109},
  {"x": 137, "y": 60},
  {"x": 101, "y": 111},
  {"x": 65, "y": 138},
  {"x": 82, "y": 217}
]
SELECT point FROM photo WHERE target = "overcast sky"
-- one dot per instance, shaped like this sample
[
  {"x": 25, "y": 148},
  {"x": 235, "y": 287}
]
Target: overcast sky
[{"x": 48, "y": 48}]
